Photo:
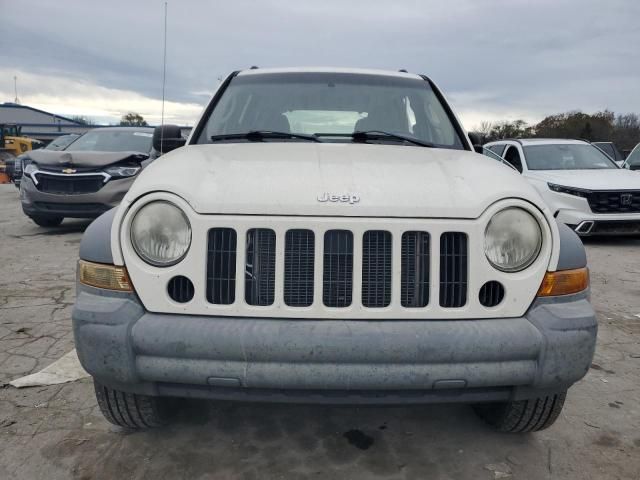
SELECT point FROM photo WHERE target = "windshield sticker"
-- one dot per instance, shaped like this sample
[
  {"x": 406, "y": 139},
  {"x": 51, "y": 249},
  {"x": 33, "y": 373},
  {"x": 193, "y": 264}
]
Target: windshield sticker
[{"x": 143, "y": 134}]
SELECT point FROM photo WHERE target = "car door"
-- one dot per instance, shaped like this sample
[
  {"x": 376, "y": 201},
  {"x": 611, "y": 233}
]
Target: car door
[
  {"x": 633, "y": 160},
  {"x": 491, "y": 153},
  {"x": 513, "y": 157}
]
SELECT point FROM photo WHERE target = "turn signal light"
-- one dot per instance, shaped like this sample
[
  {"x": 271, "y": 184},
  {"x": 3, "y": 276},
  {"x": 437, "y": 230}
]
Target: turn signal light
[
  {"x": 109, "y": 277},
  {"x": 564, "y": 282}
]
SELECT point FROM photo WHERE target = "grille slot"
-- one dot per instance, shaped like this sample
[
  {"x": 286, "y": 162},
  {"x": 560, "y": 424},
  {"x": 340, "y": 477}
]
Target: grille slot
[
  {"x": 337, "y": 284},
  {"x": 453, "y": 269},
  {"x": 491, "y": 294},
  {"x": 414, "y": 277},
  {"x": 260, "y": 267},
  {"x": 614, "y": 202},
  {"x": 221, "y": 266},
  {"x": 376, "y": 269},
  {"x": 69, "y": 185},
  {"x": 299, "y": 258},
  {"x": 180, "y": 289}
]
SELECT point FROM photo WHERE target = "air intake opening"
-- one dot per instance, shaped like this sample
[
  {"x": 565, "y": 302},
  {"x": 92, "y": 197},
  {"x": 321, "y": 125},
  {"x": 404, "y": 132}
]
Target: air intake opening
[
  {"x": 260, "y": 269},
  {"x": 299, "y": 257},
  {"x": 414, "y": 279},
  {"x": 337, "y": 283},
  {"x": 180, "y": 289},
  {"x": 221, "y": 266},
  {"x": 491, "y": 294},
  {"x": 453, "y": 269},
  {"x": 376, "y": 269}
]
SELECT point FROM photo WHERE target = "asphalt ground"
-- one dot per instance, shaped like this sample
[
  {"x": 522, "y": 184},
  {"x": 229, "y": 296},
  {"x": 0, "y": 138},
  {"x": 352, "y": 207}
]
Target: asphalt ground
[{"x": 57, "y": 432}]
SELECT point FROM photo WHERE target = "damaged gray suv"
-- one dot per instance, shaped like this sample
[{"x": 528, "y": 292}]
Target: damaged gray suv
[{"x": 87, "y": 178}]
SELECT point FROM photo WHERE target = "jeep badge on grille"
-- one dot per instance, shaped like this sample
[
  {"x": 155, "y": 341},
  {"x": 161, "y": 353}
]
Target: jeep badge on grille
[{"x": 343, "y": 198}]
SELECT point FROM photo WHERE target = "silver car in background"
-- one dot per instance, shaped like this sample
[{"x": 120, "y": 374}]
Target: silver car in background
[{"x": 87, "y": 178}]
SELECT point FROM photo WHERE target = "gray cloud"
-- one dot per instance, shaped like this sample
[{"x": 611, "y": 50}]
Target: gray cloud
[{"x": 493, "y": 58}]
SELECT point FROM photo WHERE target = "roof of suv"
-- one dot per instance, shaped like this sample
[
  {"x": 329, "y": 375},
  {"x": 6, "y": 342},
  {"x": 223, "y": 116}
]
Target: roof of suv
[
  {"x": 543, "y": 141},
  {"x": 362, "y": 71}
]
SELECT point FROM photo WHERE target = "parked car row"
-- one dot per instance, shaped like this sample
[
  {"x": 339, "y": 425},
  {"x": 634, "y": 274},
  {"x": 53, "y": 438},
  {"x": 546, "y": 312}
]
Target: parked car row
[{"x": 584, "y": 187}]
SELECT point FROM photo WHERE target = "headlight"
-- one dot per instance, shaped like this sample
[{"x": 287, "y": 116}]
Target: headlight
[
  {"x": 122, "y": 171},
  {"x": 29, "y": 168},
  {"x": 512, "y": 240},
  {"x": 161, "y": 234},
  {"x": 578, "y": 192}
]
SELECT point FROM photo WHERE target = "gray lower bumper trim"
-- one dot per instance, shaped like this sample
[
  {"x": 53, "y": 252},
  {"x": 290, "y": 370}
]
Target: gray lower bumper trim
[
  {"x": 126, "y": 347},
  {"x": 338, "y": 397}
]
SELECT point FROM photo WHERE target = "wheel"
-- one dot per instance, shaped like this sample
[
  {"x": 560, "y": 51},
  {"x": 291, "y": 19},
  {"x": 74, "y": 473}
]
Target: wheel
[
  {"x": 130, "y": 410},
  {"x": 47, "y": 221},
  {"x": 522, "y": 416}
]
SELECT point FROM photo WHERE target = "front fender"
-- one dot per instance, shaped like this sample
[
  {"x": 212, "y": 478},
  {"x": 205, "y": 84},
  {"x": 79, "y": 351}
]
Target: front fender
[{"x": 96, "y": 241}]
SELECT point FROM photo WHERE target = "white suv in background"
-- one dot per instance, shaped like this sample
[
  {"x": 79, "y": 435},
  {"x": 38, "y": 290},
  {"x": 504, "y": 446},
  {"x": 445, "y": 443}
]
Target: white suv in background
[{"x": 583, "y": 187}]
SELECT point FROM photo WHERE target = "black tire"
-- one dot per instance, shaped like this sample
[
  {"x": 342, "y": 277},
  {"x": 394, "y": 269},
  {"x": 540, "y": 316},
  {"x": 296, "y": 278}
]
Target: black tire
[
  {"x": 130, "y": 410},
  {"x": 522, "y": 416},
  {"x": 46, "y": 221}
]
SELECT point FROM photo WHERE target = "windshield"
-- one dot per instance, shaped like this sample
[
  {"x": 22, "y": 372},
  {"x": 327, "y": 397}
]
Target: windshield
[
  {"x": 113, "y": 141},
  {"x": 331, "y": 103},
  {"x": 566, "y": 157},
  {"x": 634, "y": 157},
  {"x": 61, "y": 142}
]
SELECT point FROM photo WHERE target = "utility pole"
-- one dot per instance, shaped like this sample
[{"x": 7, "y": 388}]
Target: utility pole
[{"x": 15, "y": 88}]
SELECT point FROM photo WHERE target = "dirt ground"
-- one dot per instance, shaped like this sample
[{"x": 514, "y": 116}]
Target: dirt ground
[{"x": 57, "y": 432}]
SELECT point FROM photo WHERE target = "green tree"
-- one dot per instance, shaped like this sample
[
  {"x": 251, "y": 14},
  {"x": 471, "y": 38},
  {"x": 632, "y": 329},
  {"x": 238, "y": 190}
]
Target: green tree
[{"x": 133, "y": 119}]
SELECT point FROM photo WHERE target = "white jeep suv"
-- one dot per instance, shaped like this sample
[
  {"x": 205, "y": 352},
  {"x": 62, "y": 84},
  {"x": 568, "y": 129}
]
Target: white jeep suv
[
  {"x": 583, "y": 187},
  {"x": 329, "y": 235}
]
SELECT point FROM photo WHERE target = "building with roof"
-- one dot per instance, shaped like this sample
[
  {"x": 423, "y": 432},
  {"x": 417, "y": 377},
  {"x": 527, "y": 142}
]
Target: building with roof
[
  {"x": 45, "y": 126},
  {"x": 35, "y": 123}
]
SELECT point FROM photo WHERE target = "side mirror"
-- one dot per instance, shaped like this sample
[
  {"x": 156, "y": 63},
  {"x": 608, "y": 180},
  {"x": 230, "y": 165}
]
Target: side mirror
[
  {"x": 167, "y": 138},
  {"x": 635, "y": 166},
  {"x": 476, "y": 141}
]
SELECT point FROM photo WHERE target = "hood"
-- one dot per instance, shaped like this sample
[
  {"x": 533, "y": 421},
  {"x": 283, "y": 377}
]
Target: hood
[
  {"x": 82, "y": 159},
  {"x": 332, "y": 179},
  {"x": 603, "y": 179}
]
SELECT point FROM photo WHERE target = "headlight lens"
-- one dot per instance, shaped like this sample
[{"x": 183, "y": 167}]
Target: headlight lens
[
  {"x": 513, "y": 240},
  {"x": 161, "y": 234},
  {"x": 122, "y": 171},
  {"x": 29, "y": 168}
]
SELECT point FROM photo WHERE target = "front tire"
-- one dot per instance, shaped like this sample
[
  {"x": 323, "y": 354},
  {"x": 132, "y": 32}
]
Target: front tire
[
  {"x": 130, "y": 410},
  {"x": 46, "y": 221},
  {"x": 531, "y": 415}
]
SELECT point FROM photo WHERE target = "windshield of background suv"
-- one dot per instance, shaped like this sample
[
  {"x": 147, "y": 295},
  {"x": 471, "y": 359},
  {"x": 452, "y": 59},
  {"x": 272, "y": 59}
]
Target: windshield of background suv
[
  {"x": 566, "y": 157},
  {"x": 331, "y": 103},
  {"x": 61, "y": 143},
  {"x": 634, "y": 157},
  {"x": 113, "y": 141}
]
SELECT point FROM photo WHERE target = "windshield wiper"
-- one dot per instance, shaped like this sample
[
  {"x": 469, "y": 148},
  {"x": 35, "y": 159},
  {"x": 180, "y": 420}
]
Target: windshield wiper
[
  {"x": 260, "y": 135},
  {"x": 363, "y": 136}
]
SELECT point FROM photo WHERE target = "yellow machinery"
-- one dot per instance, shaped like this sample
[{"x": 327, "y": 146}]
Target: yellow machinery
[{"x": 12, "y": 144}]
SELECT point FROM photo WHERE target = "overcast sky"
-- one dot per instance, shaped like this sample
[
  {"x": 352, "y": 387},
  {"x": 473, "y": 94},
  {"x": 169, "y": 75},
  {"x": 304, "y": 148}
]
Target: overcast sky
[{"x": 495, "y": 60}]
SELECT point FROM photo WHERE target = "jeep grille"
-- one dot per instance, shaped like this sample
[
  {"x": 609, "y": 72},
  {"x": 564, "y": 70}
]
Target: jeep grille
[{"x": 377, "y": 278}]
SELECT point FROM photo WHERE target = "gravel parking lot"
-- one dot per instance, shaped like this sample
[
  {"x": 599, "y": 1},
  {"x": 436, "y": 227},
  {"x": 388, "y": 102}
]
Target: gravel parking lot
[{"x": 57, "y": 431}]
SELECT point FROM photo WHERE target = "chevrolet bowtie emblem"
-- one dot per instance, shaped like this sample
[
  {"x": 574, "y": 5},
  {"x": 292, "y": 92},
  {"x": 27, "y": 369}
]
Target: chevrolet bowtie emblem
[{"x": 69, "y": 170}]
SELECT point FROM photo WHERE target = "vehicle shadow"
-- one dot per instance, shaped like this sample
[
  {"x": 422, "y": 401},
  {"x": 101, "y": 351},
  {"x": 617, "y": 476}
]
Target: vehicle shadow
[
  {"x": 622, "y": 241},
  {"x": 256, "y": 441},
  {"x": 69, "y": 226}
]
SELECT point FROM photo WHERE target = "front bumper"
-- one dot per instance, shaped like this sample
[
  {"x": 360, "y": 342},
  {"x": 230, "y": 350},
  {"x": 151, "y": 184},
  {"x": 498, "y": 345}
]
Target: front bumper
[
  {"x": 576, "y": 213},
  {"x": 128, "y": 348},
  {"x": 88, "y": 205},
  {"x": 587, "y": 223}
]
